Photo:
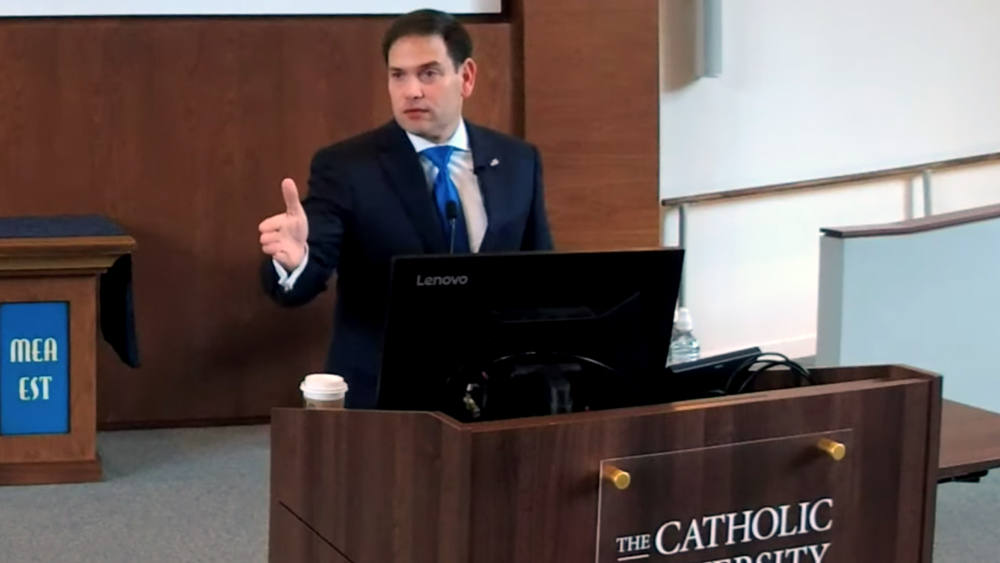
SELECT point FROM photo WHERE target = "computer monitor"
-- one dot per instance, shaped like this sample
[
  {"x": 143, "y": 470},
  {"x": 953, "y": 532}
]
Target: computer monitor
[{"x": 492, "y": 336}]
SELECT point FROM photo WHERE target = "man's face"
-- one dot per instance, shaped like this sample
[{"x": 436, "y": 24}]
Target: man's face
[{"x": 426, "y": 88}]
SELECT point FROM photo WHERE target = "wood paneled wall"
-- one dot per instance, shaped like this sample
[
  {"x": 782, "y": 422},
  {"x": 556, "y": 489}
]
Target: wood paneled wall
[
  {"x": 180, "y": 129},
  {"x": 591, "y": 104}
]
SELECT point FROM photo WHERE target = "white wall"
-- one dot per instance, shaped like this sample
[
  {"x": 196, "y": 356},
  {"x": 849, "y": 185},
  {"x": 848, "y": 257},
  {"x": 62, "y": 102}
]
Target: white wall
[
  {"x": 207, "y": 7},
  {"x": 962, "y": 188},
  {"x": 813, "y": 88},
  {"x": 752, "y": 264}
]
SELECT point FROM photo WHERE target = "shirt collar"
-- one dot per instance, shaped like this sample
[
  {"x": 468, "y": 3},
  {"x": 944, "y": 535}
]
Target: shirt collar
[{"x": 459, "y": 140}]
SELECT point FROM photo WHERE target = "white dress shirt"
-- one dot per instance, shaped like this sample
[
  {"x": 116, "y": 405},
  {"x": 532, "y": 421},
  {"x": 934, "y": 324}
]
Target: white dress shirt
[
  {"x": 462, "y": 175},
  {"x": 460, "y": 168}
]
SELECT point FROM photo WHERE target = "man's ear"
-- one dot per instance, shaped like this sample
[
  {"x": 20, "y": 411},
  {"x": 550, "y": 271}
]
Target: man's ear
[{"x": 468, "y": 71}]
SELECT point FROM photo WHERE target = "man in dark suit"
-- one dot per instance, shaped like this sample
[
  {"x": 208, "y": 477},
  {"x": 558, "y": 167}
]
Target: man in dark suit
[{"x": 427, "y": 182}]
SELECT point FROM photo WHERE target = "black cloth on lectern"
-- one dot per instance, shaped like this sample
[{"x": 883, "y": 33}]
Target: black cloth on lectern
[{"x": 116, "y": 300}]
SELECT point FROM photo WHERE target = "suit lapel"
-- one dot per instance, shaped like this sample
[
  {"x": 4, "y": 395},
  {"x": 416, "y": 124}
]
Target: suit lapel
[
  {"x": 406, "y": 176},
  {"x": 494, "y": 180}
]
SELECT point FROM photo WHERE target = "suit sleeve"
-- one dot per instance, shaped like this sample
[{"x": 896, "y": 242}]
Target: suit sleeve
[
  {"x": 328, "y": 209},
  {"x": 536, "y": 232}
]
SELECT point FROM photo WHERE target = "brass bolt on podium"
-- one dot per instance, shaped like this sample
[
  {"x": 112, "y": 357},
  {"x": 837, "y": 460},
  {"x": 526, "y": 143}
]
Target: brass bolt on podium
[
  {"x": 835, "y": 450},
  {"x": 620, "y": 479}
]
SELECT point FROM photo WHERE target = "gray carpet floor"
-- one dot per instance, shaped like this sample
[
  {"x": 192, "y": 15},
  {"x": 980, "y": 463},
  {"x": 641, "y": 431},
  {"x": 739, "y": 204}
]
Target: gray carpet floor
[
  {"x": 194, "y": 495},
  {"x": 185, "y": 495}
]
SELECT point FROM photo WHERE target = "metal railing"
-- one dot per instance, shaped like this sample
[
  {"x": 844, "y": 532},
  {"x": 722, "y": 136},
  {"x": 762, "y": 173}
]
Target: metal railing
[{"x": 924, "y": 171}]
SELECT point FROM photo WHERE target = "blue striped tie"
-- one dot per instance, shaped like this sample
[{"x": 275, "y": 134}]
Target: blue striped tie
[{"x": 445, "y": 191}]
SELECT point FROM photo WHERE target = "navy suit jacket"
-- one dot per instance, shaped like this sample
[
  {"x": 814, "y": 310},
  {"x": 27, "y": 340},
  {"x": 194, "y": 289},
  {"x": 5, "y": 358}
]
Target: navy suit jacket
[{"x": 369, "y": 201}]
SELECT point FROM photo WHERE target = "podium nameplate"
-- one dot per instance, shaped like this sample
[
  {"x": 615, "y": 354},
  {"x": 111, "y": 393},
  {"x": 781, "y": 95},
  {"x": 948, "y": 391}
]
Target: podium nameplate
[
  {"x": 768, "y": 501},
  {"x": 34, "y": 368}
]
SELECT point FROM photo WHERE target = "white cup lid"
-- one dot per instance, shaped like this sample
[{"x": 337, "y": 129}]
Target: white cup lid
[{"x": 323, "y": 386}]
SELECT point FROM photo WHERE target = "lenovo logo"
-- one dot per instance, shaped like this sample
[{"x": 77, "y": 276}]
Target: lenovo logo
[{"x": 430, "y": 281}]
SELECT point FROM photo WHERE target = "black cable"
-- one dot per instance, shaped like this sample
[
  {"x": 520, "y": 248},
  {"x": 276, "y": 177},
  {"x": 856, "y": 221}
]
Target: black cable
[
  {"x": 551, "y": 355},
  {"x": 768, "y": 365},
  {"x": 473, "y": 393},
  {"x": 750, "y": 375}
]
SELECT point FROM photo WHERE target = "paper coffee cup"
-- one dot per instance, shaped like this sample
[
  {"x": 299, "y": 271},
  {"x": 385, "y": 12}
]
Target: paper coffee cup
[{"x": 323, "y": 391}]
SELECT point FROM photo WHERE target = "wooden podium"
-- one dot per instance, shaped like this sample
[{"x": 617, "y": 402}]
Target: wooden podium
[
  {"x": 60, "y": 271},
  {"x": 841, "y": 471}
]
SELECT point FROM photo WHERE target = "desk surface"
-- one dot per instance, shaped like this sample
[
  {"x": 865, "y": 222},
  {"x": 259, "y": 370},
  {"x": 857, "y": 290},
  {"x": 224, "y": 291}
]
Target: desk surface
[{"x": 970, "y": 440}]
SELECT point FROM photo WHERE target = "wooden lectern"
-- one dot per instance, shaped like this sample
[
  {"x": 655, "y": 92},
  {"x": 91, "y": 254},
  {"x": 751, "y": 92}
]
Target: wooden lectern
[
  {"x": 842, "y": 471},
  {"x": 61, "y": 272}
]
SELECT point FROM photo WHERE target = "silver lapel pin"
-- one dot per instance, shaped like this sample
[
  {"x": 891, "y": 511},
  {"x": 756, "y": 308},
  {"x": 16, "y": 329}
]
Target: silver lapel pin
[{"x": 495, "y": 162}]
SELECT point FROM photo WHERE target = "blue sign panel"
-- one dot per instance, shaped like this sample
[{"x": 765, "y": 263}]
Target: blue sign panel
[{"x": 34, "y": 371}]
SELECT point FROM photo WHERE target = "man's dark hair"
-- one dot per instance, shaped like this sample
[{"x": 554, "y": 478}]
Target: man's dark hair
[{"x": 426, "y": 23}]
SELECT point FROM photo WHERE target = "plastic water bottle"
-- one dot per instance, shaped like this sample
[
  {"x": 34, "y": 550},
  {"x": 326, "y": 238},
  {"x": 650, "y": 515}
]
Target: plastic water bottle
[{"x": 684, "y": 347}]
